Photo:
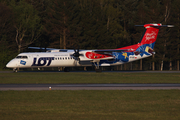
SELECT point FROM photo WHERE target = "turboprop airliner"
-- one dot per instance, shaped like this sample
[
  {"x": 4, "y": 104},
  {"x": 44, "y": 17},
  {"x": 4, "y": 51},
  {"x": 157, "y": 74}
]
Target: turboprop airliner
[{"x": 102, "y": 57}]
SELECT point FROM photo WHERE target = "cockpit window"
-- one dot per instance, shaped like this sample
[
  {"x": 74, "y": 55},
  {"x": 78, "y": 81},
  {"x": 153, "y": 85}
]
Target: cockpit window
[{"x": 24, "y": 57}]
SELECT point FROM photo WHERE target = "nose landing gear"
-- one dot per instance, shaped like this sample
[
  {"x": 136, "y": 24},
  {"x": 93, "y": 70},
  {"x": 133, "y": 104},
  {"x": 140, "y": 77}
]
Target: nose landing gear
[{"x": 15, "y": 70}]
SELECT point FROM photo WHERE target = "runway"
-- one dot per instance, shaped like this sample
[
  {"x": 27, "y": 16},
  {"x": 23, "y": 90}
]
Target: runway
[
  {"x": 132, "y": 71},
  {"x": 4, "y": 87}
]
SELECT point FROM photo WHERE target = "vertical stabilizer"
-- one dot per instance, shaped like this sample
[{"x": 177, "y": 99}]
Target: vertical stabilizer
[
  {"x": 148, "y": 39},
  {"x": 150, "y": 35}
]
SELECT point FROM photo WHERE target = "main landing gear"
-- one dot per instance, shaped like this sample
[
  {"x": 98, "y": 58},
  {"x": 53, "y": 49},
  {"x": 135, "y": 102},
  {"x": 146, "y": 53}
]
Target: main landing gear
[
  {"x": 97, "y": 68},
  {"x": 66, "y": 69}
]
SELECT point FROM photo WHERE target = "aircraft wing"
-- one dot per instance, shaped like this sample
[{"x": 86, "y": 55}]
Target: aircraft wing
[
  {"x": 39, "y": 48},
  {"x": 111, "y": 50},
  {"x": 51, "y": 49}
]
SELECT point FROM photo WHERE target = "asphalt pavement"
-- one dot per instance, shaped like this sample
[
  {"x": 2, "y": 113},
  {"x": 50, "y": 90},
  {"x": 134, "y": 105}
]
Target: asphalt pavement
[{"x": 88, "y": 86}]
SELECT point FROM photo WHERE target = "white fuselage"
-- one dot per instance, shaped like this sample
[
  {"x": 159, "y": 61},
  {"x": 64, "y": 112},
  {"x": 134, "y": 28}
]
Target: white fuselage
[
  {"x": 44, "y": 59},
  {"x": 65, "y": 59}
]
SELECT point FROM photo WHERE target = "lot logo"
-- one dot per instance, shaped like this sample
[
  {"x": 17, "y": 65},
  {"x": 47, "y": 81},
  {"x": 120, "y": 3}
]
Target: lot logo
[
  {"x": 23, "y": 62},
  {"x": 42, "y": 61}
]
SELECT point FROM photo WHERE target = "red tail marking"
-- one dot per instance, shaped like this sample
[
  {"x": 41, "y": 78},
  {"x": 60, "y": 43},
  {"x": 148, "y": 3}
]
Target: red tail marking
[{"x": 150, "y": 36}]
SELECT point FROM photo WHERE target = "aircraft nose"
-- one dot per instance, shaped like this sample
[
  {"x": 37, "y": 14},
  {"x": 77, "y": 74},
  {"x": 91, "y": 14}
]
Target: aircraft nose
[{"x": 10, "y": 64}]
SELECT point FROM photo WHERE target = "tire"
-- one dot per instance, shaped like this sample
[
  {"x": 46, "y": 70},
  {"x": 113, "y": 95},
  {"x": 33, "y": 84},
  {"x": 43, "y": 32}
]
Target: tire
[{"x": 66, "y": 69}]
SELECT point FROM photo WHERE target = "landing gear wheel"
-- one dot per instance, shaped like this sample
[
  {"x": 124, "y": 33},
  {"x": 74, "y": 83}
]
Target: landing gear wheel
[
  {"x": 98, "y": 70},
  {"x": 15, "y": 70},
  {"x": 66, "y": 69}
]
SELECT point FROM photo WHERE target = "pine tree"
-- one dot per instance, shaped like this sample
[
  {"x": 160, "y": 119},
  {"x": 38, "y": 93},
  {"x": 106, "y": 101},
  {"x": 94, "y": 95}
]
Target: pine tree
[
  {"x": 6, "y": 35},
  {"x": 175, "y": 32}
]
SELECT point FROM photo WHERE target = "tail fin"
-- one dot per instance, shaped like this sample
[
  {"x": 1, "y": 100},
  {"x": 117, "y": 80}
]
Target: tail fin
[{"x": 148, "y": 39}]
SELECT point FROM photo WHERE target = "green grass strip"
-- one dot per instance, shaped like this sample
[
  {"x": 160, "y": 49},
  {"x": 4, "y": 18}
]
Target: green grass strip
[
  {"x": 90, "y": 105},
  {"x": 89, "y": 77}
]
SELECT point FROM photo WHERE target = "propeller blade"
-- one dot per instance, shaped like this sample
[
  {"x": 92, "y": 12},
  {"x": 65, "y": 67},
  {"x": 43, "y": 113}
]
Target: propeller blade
[{"x": 76, "y": 54}]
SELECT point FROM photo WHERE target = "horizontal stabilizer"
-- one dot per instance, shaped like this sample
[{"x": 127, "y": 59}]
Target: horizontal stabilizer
[
  {"x": 154, "y": 25},
  {"x": 167, "y": 25}
]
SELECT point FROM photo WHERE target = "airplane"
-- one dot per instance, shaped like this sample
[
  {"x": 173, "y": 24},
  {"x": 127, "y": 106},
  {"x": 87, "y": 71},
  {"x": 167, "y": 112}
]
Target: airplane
[{"x": 67, "y": 58}]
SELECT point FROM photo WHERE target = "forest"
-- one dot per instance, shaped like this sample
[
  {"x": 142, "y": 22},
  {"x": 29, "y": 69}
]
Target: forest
[{"x": 90, "y": 24}]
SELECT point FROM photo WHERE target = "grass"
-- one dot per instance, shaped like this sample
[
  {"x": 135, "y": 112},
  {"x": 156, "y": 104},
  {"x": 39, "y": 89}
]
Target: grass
[
  {"x": 88, "y": 105},
  {"x": 89, "y": 77}
]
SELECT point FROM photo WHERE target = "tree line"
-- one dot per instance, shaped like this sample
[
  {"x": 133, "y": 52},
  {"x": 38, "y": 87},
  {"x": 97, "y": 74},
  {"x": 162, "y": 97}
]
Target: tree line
[{"x": 90, "y": 24}]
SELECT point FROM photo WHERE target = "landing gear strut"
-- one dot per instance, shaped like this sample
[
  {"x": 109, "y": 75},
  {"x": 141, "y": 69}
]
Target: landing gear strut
[
  {"x": 97, "y": 68},
  {"x": 15, "y": 70}
]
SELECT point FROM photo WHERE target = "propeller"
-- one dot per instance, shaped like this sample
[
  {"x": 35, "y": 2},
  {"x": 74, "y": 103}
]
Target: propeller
[{"x": 76, "y": 54}]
